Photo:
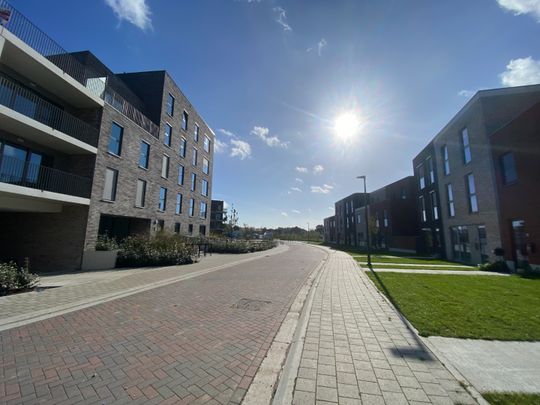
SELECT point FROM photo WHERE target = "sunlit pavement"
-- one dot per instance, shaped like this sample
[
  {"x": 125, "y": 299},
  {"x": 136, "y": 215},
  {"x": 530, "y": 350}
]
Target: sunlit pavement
[
  {"x": 197, "y": 340},
  {"x": 358, "y": 350}
]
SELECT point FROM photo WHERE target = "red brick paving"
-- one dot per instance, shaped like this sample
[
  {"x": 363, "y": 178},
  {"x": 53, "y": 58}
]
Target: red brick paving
[{"x": 180, "y": 343}]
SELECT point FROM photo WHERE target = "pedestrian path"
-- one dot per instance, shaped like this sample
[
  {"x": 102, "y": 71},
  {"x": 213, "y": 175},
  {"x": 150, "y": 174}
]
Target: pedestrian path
[
  {"x": 83, "y": 289},
  {"x": 450, "y": 272},
  {"x": 358, "y": 350}
]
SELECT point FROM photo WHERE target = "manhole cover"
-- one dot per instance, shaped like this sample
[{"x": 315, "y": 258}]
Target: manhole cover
[{"x": 250, "y": 305}]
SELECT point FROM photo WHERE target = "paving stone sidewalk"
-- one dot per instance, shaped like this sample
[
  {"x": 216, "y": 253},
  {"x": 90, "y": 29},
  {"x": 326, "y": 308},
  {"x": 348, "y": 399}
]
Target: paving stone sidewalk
[
  {"x": 358, "y": 350},
  {"x": 93, "y": 287}
]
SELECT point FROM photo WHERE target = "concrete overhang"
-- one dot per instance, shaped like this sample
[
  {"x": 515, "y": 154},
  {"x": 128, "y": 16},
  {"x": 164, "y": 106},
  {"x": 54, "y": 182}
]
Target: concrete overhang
[
  {"x": 31, "y": 64},
  {"x": 32, "y": 130},
  {"x": 15, "y": 198}
]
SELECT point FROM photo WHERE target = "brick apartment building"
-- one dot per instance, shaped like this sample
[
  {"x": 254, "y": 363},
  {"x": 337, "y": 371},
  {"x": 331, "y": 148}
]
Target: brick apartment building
[
  {"x": 81, "y": 153},
  {"x": 218, "y": 216},
  {"x": 329, "y": 231},
  {"x": 464, "y": 194},
  {"x": 515, "y": 150},
  {"x": 393, "y": 212},
  {"x": 344, "y": 217}
]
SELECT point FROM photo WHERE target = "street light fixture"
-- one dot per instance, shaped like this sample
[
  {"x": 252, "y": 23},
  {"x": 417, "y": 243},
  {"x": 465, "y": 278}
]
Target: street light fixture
[
  {"x": 366, "y": 206},
  {"x": 308, "y": 232}
]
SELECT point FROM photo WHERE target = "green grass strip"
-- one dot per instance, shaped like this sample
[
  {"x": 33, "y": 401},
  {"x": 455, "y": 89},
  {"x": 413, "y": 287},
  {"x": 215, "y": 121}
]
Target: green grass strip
[
  {"x": 511, "y": 398},
  {"x": 476, "y": 307}
]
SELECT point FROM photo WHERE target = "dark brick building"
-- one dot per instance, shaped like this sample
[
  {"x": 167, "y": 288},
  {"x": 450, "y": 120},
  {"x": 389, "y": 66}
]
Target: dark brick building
[
  {"x": 218, "y": 216},
  {"x": 329, "y": 233},
  {"x": 516, "y": 157},
  {"x": 345, "y": 218}
]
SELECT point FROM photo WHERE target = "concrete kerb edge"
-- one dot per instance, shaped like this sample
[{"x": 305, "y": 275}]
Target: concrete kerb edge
[
  {"x": 273, "y": 377},
  {"x": 444, "y": 361},
  {"x": 21, "y": 320}
]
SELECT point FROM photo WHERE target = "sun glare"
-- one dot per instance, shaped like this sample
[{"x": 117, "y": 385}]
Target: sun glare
[{"x": 346, "y": 126}]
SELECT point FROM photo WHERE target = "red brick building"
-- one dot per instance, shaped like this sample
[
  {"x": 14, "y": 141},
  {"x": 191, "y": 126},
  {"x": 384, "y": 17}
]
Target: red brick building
[{"x": 516, "y": 158}]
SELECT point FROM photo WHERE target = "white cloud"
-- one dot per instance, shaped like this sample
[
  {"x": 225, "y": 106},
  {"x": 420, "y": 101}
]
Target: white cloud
[
  {"x": 240, "y": 148},
  {"x": 219, "y": 146},
  {"x": 136, "y": 12},
  {"x": 519, "y": 7},
  {"x": 331, "y": 208},
  {"x": 325, "y": 189},
  {"x": 317, "y": 169},
  {"x": 320, "y": 45},
  {"x": 297, "y": 189},
  {"x": 281, "y": 18},
  {"x": 301, "y": 169},
  {"x": 520, "y": 72},
  {"x": 227, "y": 132},
  {"x": 272, "y": 141},
  {"x": 466, "y": 93},
  {"x": 295, "y": 211},
  {"x": 284, "y": 214},
  {"x": 298, "y": 180}
]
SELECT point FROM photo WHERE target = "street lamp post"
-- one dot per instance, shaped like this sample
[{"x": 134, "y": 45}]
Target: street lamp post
[
  {"x": 366, "y": 206},
  {"x": 308, "y": 232}
]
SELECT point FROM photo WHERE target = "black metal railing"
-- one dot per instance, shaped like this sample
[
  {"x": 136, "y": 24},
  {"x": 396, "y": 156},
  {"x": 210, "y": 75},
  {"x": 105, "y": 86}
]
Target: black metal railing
[
  {"x": 119, "y": 103},
  {"x": 94, "y": 81},
  {"x": 26, "y": 174},
  {"x": 26, "y": 102}
]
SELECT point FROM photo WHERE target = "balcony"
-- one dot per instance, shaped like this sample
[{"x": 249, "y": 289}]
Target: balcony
[
  {"x": 59, "y": 130},
  {"x": 33, "y": 54},
  {"x": 27, "y": 186}
]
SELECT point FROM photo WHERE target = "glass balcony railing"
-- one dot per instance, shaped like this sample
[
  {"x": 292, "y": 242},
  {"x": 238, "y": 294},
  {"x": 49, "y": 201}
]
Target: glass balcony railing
[
  {"x": 28, "y": 103},
  {"x": 27, "y": 174}
]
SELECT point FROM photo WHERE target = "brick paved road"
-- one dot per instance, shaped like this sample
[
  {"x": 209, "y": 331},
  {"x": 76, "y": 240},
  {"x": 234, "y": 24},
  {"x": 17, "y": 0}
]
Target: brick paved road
[
  {"x": 175, "y": 344},
  {"x": 358, "y": 350}
]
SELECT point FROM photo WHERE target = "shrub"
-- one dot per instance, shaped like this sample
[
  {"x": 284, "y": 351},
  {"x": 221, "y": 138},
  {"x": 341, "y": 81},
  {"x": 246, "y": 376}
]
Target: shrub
[
  {"x": 239, "y": 246},
  {"x": 13, "y": 277},
  {"x": 104, "y": 242},
  {"x": 497, "y": 267},
  {"x": 160, "y": 250}
]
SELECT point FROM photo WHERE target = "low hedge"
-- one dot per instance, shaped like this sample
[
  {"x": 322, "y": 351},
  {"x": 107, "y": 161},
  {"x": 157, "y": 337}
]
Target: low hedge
[
  {"x": 160, "y": 250},
  {"x": 238, "y": 246}
]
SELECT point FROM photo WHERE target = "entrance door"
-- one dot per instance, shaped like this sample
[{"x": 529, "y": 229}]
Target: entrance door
[{"x": 519, "y": 242}]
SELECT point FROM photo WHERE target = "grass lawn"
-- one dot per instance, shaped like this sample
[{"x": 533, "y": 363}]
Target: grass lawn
[
  {"x": 405, "y": 260},
  {"x": 393, "y": 266},
  {"x": 477, "y": 307},
  {"x": 511, "y": 398}
]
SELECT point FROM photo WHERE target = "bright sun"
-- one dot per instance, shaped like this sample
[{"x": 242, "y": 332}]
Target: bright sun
[{"x": 346, "y": 126}]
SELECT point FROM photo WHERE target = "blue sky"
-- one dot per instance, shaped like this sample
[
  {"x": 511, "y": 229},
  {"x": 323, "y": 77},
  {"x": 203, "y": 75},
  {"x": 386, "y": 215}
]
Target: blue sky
[{"x": 270, "y": 77}]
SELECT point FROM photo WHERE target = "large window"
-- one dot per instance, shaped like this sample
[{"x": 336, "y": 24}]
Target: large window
[
  {"x": 191, "y": 207},
  {"x": 204, "y": 188},
  {"x": 170, "y": 105},
  {"x": 144, "y": 155},
  {"x": 167, "y": 135},
  {"x": 431, "y": 171},
  {"x": 185, "y": 118},
  {"x": 206, "y": 144},
  {"x": 111, "y": 180},
  {"x": 181, "y": 172},
  {"x": 421, "y": 176},
  {"x": 140, "y": 197},
  {"x": 471, "y": 190},
  {"x": 194, "y": 157},
  {"x": 450, "y": 198},
  {"x": 422, "y": 204},
  {"x": 385, "y": 218},
  {"x": 182, "y": 149},
  {"x": 193, "y": 181},
  {"x": 446, "y": 160},
  {"x": 162, "y": 199},
  {"x": 434, "y": 206},
  {"x": 178, "y": 209},
  {"x": 205, "y": 166},
  {"x": 115, "y": 139},
  {"x": 165, "y": 166},
  {"x": 202, "y": 212},
  {"x": 466, "y": 145},
  {"x": 508, "y": 168}
]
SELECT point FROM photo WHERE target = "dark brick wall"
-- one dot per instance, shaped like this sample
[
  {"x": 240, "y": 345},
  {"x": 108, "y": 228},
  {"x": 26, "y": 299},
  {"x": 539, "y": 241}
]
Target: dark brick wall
[{"x": 521, "y": 199}]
